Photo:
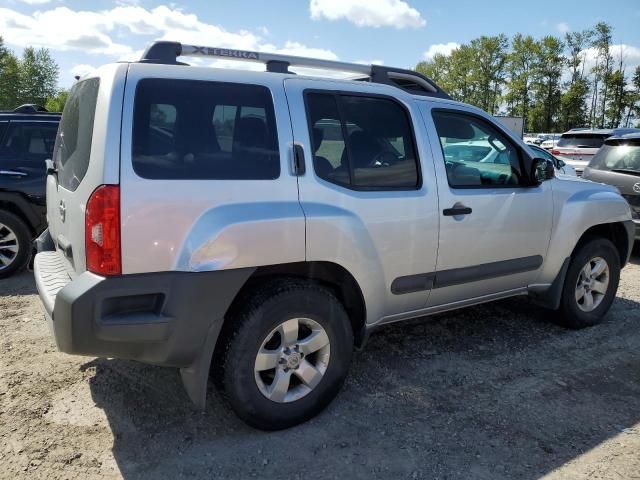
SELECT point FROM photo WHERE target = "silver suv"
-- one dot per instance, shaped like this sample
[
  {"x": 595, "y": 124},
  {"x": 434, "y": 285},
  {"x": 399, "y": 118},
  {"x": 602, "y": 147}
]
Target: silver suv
[{"x": 259, "y": 225}]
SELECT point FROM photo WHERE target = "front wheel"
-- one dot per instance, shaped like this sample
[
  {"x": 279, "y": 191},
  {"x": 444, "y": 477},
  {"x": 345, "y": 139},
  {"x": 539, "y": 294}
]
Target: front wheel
[
  {"x": 591, "y": 284},
  {"x": 286, "y": 354}
]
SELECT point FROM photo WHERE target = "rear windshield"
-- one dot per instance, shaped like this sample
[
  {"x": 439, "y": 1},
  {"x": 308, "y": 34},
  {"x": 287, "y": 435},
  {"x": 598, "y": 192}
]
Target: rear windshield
[
  {"x": 617, "y": 157},
  {"x": 73, "y": 143},
  {"x": 589, "y": 140},
  {"x": 188, "y": 129}
]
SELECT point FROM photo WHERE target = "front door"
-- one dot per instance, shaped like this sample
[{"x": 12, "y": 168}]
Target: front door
[
  {"x": 369, "y": 191},
  {"x": 494, "y": 230}
]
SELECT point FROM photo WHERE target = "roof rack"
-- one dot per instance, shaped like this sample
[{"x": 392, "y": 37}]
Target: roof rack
[{"x": 168, "y": 52}]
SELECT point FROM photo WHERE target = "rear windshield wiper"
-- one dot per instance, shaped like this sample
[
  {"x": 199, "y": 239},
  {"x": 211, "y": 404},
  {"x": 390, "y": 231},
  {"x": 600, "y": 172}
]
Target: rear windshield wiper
[{"x": 628, "y": 171}]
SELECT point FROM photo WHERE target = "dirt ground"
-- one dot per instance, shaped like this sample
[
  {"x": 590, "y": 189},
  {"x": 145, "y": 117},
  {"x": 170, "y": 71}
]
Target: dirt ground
[{"x": 491, "y": 392}]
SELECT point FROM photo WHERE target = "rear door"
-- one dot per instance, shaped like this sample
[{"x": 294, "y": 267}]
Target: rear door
[
  {"x": 86, "y": 155},
  {"x": 369, "y": 190}
]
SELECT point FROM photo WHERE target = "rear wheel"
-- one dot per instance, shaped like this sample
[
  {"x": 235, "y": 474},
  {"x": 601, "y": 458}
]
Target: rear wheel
[
  {"x": 286, "y": 354},
  {"x": 15, "y": 244},
  {"x": 591, "y": 283}
]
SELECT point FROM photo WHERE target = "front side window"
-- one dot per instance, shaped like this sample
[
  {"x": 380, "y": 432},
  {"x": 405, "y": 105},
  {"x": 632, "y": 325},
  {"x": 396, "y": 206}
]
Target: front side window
[
  {"x": 476, "y": 154},
  {"x": 30, "y": 142},
  {"x": 362, "y": 142},
  {"x": 197, "y": 130},
  {"x": 75, "y": 134}
]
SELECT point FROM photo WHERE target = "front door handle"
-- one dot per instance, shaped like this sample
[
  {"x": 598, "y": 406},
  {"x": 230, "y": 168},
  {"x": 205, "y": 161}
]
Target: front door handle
[
  {"x": 457, "y": 209},
  {"x": 13, "y": 173}
]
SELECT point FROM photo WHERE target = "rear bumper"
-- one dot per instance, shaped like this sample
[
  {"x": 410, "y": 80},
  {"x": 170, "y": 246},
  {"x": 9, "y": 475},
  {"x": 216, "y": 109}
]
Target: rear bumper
[{"x": 159, "y": 318}]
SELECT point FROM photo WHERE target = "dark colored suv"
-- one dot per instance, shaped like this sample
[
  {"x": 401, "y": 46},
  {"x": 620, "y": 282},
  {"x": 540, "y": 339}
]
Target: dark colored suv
[
  {"x": 27, "y": 136},
  {"x": 617, "y": 163}
]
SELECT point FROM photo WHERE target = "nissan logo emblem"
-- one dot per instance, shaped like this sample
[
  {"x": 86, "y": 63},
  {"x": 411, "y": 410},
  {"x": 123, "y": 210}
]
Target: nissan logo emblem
[{"x": 636, "y": 187}]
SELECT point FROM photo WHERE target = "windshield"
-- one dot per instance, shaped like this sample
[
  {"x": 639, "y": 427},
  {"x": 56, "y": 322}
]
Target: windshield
[
  {"x": 617, "y": 157},
  {"x": 590, "y": 140}
]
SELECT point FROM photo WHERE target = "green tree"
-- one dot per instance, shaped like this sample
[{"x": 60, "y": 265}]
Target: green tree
[
  {"x": 547, "y": 85},
  {"x": 38, "y": 76},
  {"x": 521, "y": 63},
  {"x": 573, "y": 103},
  {"x": 57, "y": 102},
  {"x": 602, "y": 69},
  {"x": 9, "y": 78}
]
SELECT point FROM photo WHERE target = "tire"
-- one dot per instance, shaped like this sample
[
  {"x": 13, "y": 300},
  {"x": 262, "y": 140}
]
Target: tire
[
  {"x": 577, "y": 311},
  {"x": 14, "y": 235},
  {"x": 260, "y": 326}
]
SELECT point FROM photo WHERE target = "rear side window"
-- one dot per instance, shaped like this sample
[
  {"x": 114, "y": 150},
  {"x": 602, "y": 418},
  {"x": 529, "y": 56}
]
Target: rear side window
[
  {"x": 362, "y": 142},
  {"x": 3, "y": 128},
  {"x": 581, "y": 140},
  {"x": 73, "y": 143},
  {"x": 197, "y": 130},
  {"x": 30, "y": 142}
]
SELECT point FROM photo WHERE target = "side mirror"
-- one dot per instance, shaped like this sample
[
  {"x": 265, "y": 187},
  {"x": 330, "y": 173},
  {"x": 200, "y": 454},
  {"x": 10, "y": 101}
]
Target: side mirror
[
  {"x": 561, "y": 163},
  {"x": 541, "y": 170}
]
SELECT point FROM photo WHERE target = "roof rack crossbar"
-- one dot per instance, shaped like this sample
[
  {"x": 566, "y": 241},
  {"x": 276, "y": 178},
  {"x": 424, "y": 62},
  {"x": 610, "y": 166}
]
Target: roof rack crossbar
[{"x": 168, "y": 52}]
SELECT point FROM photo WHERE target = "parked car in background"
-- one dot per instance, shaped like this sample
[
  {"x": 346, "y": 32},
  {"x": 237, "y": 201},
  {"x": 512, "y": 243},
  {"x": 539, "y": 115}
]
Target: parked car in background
[
  {"x": 577, "y": 147},
  {"x": 27, "y": 136},
  {"x": 551, "y": 141},
  {"x": 617, "y": 163},
  {"x": 561, "y": 167}
]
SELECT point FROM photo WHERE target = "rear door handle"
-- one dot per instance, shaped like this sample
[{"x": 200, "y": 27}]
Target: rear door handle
[
  {"x": 456, "y": 210},
  {"x": 13, "y": 173}
]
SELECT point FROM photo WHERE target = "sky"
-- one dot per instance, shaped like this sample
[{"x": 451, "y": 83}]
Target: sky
[{"x": 82, "y": 35}]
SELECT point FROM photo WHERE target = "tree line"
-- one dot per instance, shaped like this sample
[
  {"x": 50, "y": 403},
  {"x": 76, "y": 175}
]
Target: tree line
[
  {"x": 31, "y": 78},
  {"x": 547, "y": 81}
]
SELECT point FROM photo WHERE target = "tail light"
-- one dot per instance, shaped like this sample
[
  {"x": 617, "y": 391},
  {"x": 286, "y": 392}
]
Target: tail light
[
  {"x": 555, "y": 151},
  {"x": 102, "y": 231}
]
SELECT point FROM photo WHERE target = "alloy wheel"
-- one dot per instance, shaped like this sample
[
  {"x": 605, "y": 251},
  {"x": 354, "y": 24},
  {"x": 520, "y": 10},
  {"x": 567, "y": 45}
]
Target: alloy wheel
[{"x": 292, "y": 360}]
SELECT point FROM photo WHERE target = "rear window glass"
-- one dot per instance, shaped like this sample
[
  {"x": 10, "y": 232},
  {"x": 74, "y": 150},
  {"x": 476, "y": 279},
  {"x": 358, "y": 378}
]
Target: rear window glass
[
  {"x": 73, "y": 143},
  {"x": 617, "y": 157},
  {"x": 187, "y": 129},
  {"x": 581, "y": 141}
]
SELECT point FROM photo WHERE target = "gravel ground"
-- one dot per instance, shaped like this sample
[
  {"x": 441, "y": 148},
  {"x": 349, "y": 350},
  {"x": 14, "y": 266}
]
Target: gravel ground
[{"x": 490, "y": 392}]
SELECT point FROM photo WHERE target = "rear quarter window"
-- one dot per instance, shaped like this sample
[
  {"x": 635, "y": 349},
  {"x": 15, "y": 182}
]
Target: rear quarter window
[
  {"x": 73, "y": 144},
  {"x": 201, "y": 130}
]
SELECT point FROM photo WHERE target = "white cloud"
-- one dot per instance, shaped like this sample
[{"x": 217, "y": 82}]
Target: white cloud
[
  {"x": 82, "y": 70},
  {"x": 563, "y": 27},
  {"x": 94, "y": 32},
  {"x": 441, "y": 48},
  {"x": 35, "y": 2},
  {"x": 368, "y": 13},
  {"x": 630, "y": 57},
  {"x": 375, "y": 61}
]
